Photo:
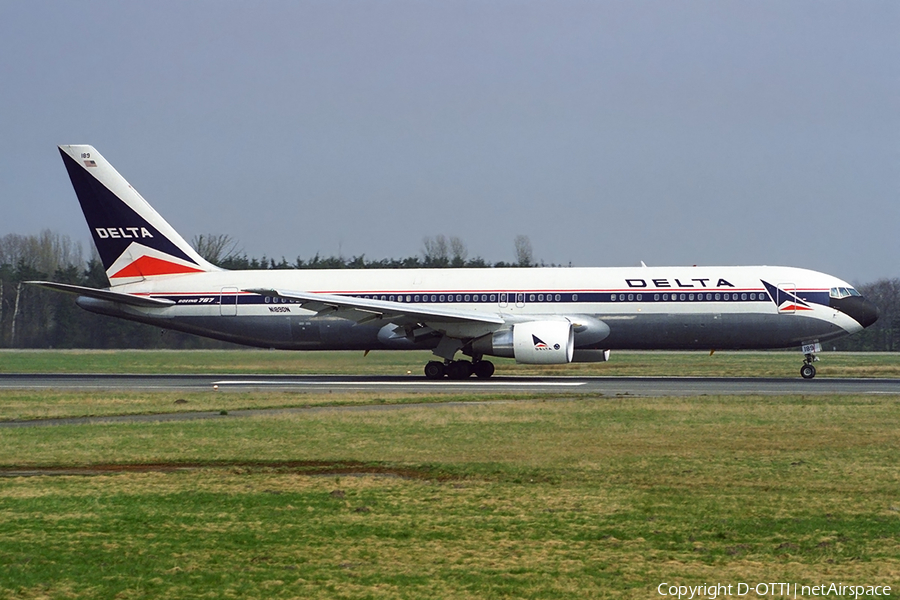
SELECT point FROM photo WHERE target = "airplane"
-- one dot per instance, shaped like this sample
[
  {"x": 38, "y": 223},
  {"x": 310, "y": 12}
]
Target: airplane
[{"x": 534, "y": 315}]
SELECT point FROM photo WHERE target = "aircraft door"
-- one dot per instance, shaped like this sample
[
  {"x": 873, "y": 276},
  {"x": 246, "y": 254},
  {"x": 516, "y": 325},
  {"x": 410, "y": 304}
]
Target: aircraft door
[
  {"x": 520, "y": 300},
  {"x": 785, "y": 301},
  {"x": 228, "y": 301}
]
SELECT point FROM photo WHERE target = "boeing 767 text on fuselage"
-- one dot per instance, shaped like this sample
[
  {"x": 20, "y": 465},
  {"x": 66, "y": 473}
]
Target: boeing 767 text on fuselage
[{"x": 534, "y": 315}]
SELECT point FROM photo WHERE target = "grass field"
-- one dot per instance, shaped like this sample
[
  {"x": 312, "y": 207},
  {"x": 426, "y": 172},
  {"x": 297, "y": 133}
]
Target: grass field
[
  {"x": 522, "y": 497},
  {"x": 22, "y": 405},
  {"x": 696, "y": 364},
  {"x": 536, "y": 498}
]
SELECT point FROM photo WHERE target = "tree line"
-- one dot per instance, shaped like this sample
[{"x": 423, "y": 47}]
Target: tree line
[
  {"x": 438, "y": 252},
  {"x": 32, "y": 317}
]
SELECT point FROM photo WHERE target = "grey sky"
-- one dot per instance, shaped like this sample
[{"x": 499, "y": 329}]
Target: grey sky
[{"x": 608, "y": 132}]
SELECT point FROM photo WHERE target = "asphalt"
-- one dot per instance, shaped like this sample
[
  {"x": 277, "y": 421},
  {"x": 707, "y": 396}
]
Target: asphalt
[
  {"x": 599, "y": 387},
  {"x": 607, "y": 386}
]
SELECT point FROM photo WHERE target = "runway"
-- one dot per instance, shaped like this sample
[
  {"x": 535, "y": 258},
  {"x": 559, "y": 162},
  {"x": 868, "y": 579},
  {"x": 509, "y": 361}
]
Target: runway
[
  {"x": 595, "y": 388},
  {"x": 604, "y": 386}
]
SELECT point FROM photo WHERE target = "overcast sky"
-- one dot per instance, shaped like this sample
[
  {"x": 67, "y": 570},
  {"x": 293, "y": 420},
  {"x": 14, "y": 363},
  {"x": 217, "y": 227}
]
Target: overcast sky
[{"x": 608, "y": 132}]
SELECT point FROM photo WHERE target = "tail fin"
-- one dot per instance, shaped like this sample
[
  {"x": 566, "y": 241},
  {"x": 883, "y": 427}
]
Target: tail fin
[{"x": 133, "y": 240}]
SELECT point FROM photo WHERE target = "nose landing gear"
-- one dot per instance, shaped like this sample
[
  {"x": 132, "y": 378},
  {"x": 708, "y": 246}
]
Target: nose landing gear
[{"x": 808, "y": 371}]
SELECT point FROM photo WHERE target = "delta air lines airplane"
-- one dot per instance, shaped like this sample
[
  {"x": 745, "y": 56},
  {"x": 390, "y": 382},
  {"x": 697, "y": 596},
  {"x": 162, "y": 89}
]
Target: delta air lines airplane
[{"x": 534, "y": 315}]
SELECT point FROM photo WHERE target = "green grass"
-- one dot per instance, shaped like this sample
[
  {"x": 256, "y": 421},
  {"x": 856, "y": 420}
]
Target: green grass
[
  {"x": 22, "y": 405},
  {"x": 697, "y": 364},
  {"x": 579, "y": 498}
]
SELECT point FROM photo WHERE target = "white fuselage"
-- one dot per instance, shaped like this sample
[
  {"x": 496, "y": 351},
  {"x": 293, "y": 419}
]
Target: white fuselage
[{"x": 644, "y": 307}]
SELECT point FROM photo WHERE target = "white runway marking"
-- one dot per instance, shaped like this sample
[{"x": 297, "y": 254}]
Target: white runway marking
[{"x": 416, "y": 383}]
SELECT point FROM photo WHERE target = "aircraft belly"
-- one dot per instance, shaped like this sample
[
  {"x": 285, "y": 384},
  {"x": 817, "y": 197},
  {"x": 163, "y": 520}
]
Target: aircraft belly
[
  {"x": 290, "y": 332},
  {"x": 269, "y": 332},
  {"x": 341, "y": 334},
  {"x": 716, "y": 331}
]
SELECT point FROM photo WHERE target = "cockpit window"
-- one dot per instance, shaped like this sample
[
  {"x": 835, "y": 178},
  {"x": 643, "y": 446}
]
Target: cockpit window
[{"x": 842, "y": 292}]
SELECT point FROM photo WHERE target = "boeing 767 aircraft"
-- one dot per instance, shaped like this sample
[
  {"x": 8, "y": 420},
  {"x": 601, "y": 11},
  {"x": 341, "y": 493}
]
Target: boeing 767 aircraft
[{"x": 534, "y": 315}]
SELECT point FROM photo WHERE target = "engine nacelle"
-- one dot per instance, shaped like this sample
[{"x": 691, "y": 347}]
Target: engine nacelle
[
  {"x": 544, "y": 342},
  {"x": 534, "y": 343}
]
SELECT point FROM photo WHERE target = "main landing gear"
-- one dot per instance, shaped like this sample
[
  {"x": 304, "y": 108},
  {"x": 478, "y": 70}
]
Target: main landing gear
[
  {"x": 808, "y": 371},
  {"x": 459, "y": 369}
]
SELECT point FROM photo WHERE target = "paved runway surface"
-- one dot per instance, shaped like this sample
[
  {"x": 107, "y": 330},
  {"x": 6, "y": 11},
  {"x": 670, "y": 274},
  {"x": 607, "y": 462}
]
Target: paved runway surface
[
  {"x": 598, "y": 387},
  {"x": 607, "y": 386}
]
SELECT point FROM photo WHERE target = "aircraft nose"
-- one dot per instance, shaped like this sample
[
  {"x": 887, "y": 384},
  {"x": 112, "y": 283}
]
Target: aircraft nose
[{"x": 858, "y": 308}]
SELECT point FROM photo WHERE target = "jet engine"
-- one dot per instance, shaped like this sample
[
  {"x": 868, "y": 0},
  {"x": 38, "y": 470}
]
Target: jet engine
[{"x": 533, "y": 342}]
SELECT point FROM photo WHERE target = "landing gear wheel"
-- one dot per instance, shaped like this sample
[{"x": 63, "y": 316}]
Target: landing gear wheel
[
  {"x": 483, "y": 369},
  {"x": 807, "y": 371},
  {"x": 434, "y": 370},
  {"x": 459, "y": 369}
]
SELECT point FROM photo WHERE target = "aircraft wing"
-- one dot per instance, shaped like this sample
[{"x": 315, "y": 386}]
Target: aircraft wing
[
  {"x": 456, "y": 323},
  {"x": 120, "y": 297}
]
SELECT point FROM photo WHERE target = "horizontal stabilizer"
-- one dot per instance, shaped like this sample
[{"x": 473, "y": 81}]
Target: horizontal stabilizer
[{"x": 120, "y": 297}]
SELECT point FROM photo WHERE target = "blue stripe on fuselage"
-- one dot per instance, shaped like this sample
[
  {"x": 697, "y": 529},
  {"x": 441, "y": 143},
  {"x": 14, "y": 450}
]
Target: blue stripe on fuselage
[{"x": 494, "y": 298}]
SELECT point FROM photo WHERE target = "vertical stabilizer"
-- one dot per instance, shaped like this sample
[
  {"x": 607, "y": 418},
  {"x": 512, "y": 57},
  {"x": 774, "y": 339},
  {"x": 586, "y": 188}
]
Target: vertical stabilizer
[{"x": 133, "y": 240}]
